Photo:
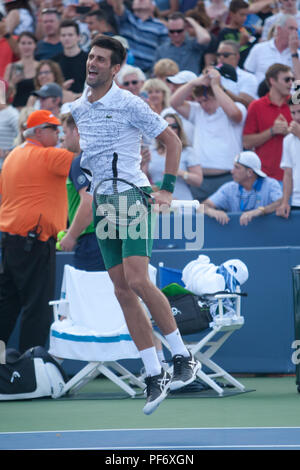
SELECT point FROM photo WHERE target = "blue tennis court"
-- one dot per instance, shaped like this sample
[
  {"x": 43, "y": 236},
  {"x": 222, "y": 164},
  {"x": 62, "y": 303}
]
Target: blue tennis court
[{"x": 268, "y": 438}]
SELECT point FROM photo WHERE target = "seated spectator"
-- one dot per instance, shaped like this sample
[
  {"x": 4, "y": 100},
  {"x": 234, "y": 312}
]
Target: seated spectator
[
  {"x": 216, "y": 115},
  {"x": 235, "y": 30},
  {"x": 252, "y": 192},
  {"x": 290, "y": 164},
  {"x": 143, "y": 32},
  {"x": 283, "y": 48},
  {"x": 165, "y": 68},
  {"x": 8, "y": 46},
  {"x": 50, "y": 96},
  {"x": 50, "y": 45},
  {"x": 189, "y": 172},
  {"x": 20, "y": 16},
  {"x": 268, "y": 119},
  {"x": 158, "y": 94},
  {"x": 8, "y": 124},
  {"x": 185, "y": 51},
  {"x": 49, "y": 71},
  {"x": 174, "y": 83},
  {"x": 20, "y": 74},
  {"x": 131, "y": 78},
  {"x": 72, "y": 60},
  {"x": 287, "y": 7},
  {"x": 244, "y": 90}
]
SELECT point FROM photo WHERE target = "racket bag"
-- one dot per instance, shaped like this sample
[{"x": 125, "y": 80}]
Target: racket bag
[{"x": 33, "y": 374}]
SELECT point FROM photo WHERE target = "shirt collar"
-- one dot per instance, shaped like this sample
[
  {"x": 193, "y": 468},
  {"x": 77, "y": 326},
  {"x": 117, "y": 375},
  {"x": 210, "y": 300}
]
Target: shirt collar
[{"x": 106, "y": 99}]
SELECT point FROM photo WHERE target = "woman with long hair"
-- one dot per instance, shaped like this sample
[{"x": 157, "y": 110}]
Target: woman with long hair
[
  {"x": 189, "y": 172},
  {"x": 158, "y": 94}
]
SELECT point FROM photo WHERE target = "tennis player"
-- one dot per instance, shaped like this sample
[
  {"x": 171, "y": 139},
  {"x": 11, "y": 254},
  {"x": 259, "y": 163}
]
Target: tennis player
[{"x": 111, "y": 122}]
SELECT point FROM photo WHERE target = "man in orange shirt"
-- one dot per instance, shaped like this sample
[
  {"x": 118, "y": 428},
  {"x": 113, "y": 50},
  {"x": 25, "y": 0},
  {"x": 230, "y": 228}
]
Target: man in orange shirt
[{"x": 33, "y": 210}]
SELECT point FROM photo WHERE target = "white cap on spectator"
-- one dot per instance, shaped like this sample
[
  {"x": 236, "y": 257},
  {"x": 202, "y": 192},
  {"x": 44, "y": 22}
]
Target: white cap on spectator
[
  {"x": 182, "y": 77},
  {"x": 250, "y": 160}
]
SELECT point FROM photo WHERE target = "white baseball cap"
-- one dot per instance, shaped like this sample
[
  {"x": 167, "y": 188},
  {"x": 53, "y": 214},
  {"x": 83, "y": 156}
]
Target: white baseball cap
[
  {"x": 182, "y": 77},
  {"x": 251, "y": 160}
]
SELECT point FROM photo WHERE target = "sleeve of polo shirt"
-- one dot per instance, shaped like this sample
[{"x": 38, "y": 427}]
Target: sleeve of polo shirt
[
  {"x": 77, "y": 176},
  {"x": 250, "y": 62},
  {"x": 251, "y": 124},
  {"x": 221, "y": 197},
  {"x": 142, "y": 117},
  {"x": 275, "y": 191},
  {"x": 59, "y": 161}
]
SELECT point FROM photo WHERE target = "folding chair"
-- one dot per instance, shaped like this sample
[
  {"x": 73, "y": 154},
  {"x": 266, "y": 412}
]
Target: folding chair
[
  {"x": 219, "y": 331},
  {"x": 89, "y": 326}
]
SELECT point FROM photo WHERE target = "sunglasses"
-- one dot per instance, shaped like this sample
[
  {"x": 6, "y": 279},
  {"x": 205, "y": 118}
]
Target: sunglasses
[
  {"x": 288, "y": 79},
  {"x": 50, "y": 126},
  {"x": 225, "y": 54},
  {"x": 133, "y": 82},
  {"x": 178, "y": 31},
  {"x": 174, "y": 126}
]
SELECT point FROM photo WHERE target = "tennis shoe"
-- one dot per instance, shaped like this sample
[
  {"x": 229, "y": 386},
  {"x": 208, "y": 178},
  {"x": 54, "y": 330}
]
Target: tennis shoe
[
  {"x": 157, "y": 388},
  {"x": 184, "y": 371}
]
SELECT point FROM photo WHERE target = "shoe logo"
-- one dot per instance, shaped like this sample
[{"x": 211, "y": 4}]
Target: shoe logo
[
  {"x": 15, "y": 375},
  {"x": 175, "y": 311}
]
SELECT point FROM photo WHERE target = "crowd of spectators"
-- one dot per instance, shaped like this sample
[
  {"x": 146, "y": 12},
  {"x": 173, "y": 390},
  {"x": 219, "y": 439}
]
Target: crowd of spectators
[{"x": 222, "y": 73}]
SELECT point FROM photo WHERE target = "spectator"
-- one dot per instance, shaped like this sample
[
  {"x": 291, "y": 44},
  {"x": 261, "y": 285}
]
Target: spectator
[
  {"x": 235, "y": 30},
  {"x": 165, "y": 68},
  {"x": 217, "y": 10},
  {"x": 283, "y": 48},
  {"x": 143, "y": 32},
  {"x": 252, "y": 192},
  {"x": 20, "y": 17},
  {"x": 20, "y": 74},
  {"x": 268, "y": 120},
  {"x": 50, "y": 46},
  {"x": 175, "y": 82},
  {"x": 189, "y": 172},
  {"x": 80, "y": 236},
  {"x": 290, "y": 164},
  {"x": 131, "y": 78},
  {"x": 185, "y": 51},
  {"x": 99, "y": 23},
  {"x": 8, "y": 46},
  {"x": 72, "y": 60},
  {"x": 287, "y": 7},
  {"x": 158, "y": 94},
  {"x": 49, "y": 71},
  {"x": 32, "y": 183},
  {"x": 50, "y": 96},
  {"x": 216, "y": 115},
  {"x": 8, "y": 123},
  {"x": 245, "y": 89},
  {"x": 22, "y": 122}
]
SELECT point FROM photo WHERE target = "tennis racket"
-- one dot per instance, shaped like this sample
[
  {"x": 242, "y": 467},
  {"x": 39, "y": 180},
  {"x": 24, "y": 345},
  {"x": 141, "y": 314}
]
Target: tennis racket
[{"x": 123, "y": 203}]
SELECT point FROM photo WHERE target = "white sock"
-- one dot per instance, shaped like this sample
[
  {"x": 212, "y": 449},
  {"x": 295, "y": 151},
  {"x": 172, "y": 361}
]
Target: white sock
[
  {"x": 161, "y": 356},
  {"x": 176, "y": 344},
  {"x": 151, "y": 362}
]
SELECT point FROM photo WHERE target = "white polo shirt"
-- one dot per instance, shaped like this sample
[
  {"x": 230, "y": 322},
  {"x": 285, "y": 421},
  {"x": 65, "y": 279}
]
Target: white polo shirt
[
  {"x": 264, "y": 54},
  {"x": 246, "y": 83},
  {"x": 217, "y": 139},
  {"x": 271, "y": 20},
  {"x": 291, "y": 159},
  {"x": 115, "y": 124}
]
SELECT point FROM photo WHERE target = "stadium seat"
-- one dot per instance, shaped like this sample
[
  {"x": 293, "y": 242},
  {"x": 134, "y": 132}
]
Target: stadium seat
[{"x": 220, "y": 329}]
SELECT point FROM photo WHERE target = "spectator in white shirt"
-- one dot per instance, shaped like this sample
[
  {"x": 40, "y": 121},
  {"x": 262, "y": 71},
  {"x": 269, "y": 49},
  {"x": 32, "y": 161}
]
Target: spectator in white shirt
[
  {"x": 283, "y": 48},
  {"x": 245, "y": 89},
  {"x": 287, "y": 7}
]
